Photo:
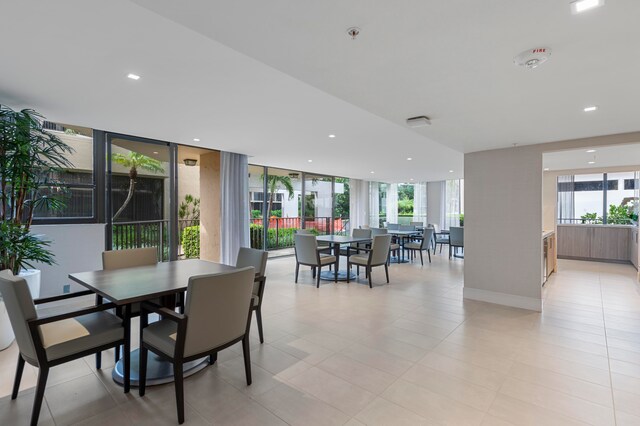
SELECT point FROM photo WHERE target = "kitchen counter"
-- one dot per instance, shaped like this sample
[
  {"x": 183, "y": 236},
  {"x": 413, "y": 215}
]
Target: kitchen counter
[{"x": 595, "y": 242}]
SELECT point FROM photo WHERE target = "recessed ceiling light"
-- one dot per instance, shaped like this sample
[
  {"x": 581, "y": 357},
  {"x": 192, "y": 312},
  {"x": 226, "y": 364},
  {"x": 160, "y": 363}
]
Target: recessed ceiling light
[
  {"x": 371, "y": 172},
  {"x": 133, "y": 76},
  {"x": 332, "y": 136},
  {"x": 578, "y": 6},
  {"x": 591, "y": 150},
  {"x": 592, "y": 162},
  {"x": 310, "y": 161},
  {"x": 590, "y": 108},
  {"x": 450, "y": 171},
  {"x": 409, "y": 158},
  {"x": 155, "y": 152},
  {"x": 196, "y": 140},
  {"x": 546, "y": 169},
  {"x": 411, "y": 179}
]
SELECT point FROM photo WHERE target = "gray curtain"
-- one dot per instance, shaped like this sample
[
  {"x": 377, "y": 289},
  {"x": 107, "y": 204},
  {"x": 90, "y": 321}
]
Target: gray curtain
[{"x": 234, "y": 201}]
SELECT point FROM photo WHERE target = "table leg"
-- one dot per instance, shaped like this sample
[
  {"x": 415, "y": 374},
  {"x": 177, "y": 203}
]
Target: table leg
[{"x": 127, "y": 348}]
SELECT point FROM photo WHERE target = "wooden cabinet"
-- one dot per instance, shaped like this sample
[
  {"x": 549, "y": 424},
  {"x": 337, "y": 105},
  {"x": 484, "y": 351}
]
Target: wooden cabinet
[
  {"x": 551, "y": 254},
  {"x": 599, "y": 242}
]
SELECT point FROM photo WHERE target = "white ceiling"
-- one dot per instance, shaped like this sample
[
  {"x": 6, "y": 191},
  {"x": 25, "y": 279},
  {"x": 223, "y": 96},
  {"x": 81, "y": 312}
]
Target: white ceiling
[
  {"x": 273, "y": 79},
  {"x": 607, "y": 156}
]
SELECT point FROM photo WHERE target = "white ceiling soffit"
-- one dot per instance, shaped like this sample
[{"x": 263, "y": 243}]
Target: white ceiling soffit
[
  {"x": 449, "y": 60},
  {"x": 69, "y": 59},
  {"x": 608, "y": 156}
]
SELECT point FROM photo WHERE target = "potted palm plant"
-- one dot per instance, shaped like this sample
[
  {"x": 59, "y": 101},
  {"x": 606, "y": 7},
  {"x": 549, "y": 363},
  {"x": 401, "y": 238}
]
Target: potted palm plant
[{"x": 29, "y": 156}]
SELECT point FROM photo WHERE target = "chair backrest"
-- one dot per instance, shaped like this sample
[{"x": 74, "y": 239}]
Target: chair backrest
[
  {"x": 406, "y": 228},
  {"x": 256, "y": 258},
  {"x": 417, "y": 223},
  {"x": 305, "y": 246},
  {"x": 379, "y": 231},
  {"x": 380, "y": 249},
  {"x": 427, "y": 238},
  {"x": 218, "y": 309},
  {"x": 20, "y": 307},
  {"x": 361, "y": 233},
  {"x": 303, "y": 231},
  {"x": 456, "y": 236},
  {"x": 252, "y": 257},
  {"x": 365, "y": 227},
  {"x": 392, "y": 226},
  {"x": 435, "y": 227},
  {"x": 130, "y": 258}
]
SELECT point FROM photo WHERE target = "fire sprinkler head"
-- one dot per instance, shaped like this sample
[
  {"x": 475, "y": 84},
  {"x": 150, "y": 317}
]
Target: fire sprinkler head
[{"x": 353, "y": 32}]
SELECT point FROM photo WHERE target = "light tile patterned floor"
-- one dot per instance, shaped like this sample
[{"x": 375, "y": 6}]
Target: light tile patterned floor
[{"x": 412, "y": 352}]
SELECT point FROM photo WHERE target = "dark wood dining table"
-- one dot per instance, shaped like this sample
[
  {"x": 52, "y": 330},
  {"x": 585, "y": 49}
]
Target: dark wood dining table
[
  {"x": 335, "y": 241},
  {"x": 126, "y": 286}
]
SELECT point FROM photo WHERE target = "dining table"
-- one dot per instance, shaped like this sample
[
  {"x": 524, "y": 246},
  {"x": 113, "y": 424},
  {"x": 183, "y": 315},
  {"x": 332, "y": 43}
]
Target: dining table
[
  {"x": 164, "y": 280},
  {"x": 335, "y": 242}
]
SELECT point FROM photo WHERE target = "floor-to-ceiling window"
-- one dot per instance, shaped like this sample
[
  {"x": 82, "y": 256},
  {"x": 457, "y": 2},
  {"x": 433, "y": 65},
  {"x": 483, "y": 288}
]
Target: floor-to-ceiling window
[{"x": 454, "y": 203}]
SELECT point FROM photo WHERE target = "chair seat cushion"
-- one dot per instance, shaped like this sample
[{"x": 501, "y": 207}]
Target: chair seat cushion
[
  {"x": 62, "y": 338},
  {"x": 414, "y": 246},
  {"x": 394, "y": 246},
  {"x": 359, "y": 259},
  {"x": 161, "y": 335},
  {"x": 442, "y": 240},
  {"x": 326, "y": 259}
]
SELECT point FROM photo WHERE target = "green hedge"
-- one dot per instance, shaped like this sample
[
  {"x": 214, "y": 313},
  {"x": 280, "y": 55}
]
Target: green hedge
[
  {"x": 191, "y": 242},
  {"x": 285, "y": 237}
]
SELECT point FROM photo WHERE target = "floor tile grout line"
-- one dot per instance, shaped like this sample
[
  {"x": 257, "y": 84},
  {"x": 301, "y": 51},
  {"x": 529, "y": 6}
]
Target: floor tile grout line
[{"x": 604, "y": 320}]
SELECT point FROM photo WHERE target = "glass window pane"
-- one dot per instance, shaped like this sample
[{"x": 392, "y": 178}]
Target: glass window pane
[
  {"x": 620, "y": 198},
  {"x": 588, "y": 197},
  {"x": 341, "y": 213}
]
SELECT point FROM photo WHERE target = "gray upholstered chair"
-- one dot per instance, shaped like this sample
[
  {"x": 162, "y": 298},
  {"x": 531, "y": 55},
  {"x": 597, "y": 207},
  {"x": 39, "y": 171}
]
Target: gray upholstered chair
[
  {"x": 120, "y": 259},
  {"x": 307, "y": 254},
  {"x": 377, "y": 256},
  {"x": 258, "y": 259},
  {"x": 323, "y": 246},
  {"x": 405, "y": 228},
  {"x": 423, "y": 244},
  {"x": 456, "y": 239},
  {"x": 417, "y": 224},
  {"x": 45, "y": 342},
  {"x": 394, "y": 247},
  {"x": 392, "y": 226},
  {"x": 217, "y": 315},
  {"x": 438, "y": 237},
  {"x": 355, "y": 247}
]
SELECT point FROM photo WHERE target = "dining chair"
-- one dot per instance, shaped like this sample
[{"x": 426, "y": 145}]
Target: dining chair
[
  {"x": 394, "y": 247},
  {"x": 376, "y": 256},
  {"x": 416, "y": 223},
  {"x": 217, "y": 315},
  {"x": 438, "y": 237},
  {"x": 48, "y": 341},
  {"x": 419, "y": 246},
  {"x": 322, "y": 245},
  {"x": 406, "y": 228},
  {"x": 456, "y": 239},
  {"x": 258, "y": 259},
  {"x": 307, "y": 254},
  {"x": 355, "y": 247},
  {"x": 392, "y": 226},
  {"x": 120, "y": 259}
]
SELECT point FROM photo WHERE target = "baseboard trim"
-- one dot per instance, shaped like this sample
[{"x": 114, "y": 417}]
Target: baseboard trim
[{"x": 522, "y": 302}]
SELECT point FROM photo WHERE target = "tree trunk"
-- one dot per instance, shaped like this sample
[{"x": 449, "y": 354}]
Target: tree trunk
[{"x": 132, "y": 185}]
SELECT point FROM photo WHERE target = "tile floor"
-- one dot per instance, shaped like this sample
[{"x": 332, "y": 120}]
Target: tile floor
[{"x": 412, "y": 352}]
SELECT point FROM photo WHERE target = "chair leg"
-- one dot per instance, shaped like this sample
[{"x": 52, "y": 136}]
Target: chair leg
[
  {"x": 43, "y": 373},
  {"x": 179, "y": 382},
  {"x": 297, "y": 270},
  {"x": 313, "y": 272},
  {"x": 98, "y": 360},
  {"x": 421, "y": 258},
  {"x": 348, "y": 271},
  {"x": 429, "y": 253},
  {"x": 213, "y": 358},
  {"x": 143, "y": 370},
  {"x": 386, "y": 271},
  {"x": 317, "y": 277},
  {"x": 16, "y": 382},
  {"x": 247, "y": 358},
  {"x": 259, "y": 321},
  {"x": 449, "y": 251},
  {"x": 369, "y": 273},
  {"x": 335, "y": 275}
]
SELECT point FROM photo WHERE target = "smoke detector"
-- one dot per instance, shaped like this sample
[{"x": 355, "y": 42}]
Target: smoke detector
[
  {"x": 353, "y": 32},
  {"x": 533, "y": 58},
  {"x": 419, "y": 121}
]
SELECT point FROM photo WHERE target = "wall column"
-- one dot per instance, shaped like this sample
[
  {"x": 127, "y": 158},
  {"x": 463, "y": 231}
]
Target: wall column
[{"x": 210, "y": 206}]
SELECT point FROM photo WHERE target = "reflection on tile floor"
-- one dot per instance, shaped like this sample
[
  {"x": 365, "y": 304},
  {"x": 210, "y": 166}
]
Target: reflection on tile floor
[{"x": 412, "y": 352}]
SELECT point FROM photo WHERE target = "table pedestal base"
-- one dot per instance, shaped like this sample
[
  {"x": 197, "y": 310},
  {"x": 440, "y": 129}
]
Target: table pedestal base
[
  {"x": 342, "y": 275},
  {"x": 159, "y": 371}
]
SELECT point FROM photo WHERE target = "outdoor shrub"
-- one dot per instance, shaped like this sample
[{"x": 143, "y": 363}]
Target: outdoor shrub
[
  {"x": 191, "y": 242},
  {"x": 255, "y": 235},
  {"x": 256, "y": 214}
]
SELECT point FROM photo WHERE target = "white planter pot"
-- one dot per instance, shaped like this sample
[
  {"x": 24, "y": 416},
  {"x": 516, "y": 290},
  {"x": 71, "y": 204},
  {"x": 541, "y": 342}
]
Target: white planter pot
[
  {"x": 6, "y": 332},
  {"x": 32, "y": 277}
]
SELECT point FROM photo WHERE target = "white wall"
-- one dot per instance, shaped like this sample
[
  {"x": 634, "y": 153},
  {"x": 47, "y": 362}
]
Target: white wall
[
  {"x": 77, "y": 248},
  {"x": 503, "y": 220}
]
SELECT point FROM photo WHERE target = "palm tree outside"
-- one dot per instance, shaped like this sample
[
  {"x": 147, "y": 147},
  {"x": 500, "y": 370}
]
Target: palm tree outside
[
  {"x": 274, "y": 183},
  {"x": 134, "y": 161}
]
